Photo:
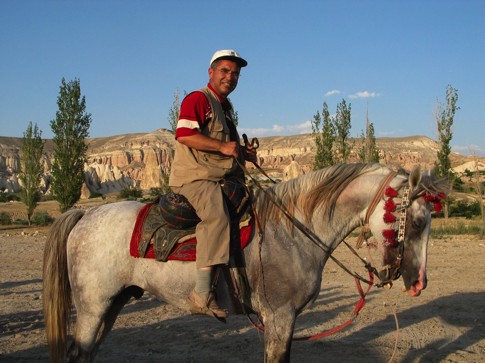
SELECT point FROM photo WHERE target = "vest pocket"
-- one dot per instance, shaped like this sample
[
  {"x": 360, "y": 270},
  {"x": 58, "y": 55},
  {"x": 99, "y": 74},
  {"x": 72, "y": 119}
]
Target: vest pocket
[{"x": 217, "y": 161}]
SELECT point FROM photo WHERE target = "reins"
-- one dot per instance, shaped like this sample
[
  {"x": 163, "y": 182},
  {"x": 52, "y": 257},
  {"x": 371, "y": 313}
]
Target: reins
[
  {"x": 312, "y": 236},
  {"x": 318, "y": 242}
]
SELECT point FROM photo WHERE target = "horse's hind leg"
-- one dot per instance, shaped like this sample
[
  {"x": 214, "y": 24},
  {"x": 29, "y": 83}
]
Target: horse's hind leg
[
  {"x": 121, "y": 299},
  {"x": 87, "y": 327},
  {"x": 92, "y": 327}
]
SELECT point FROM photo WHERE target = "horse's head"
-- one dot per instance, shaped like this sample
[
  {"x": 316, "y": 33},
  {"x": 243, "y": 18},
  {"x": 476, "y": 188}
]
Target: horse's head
[{"x": 401, "y": 225}]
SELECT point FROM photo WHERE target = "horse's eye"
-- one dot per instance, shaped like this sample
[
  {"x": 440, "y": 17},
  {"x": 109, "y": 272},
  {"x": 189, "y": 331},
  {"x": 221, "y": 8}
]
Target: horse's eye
[{"x": 419, "y": 223}]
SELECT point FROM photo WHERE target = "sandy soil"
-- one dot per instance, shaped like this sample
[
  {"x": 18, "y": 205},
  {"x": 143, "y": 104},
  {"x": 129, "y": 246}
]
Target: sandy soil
[{"x": 444, "y": 324}]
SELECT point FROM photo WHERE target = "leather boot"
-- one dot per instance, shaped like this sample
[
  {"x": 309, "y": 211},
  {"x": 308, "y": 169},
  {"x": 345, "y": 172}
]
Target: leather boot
[{"x": 209, "y": 307}]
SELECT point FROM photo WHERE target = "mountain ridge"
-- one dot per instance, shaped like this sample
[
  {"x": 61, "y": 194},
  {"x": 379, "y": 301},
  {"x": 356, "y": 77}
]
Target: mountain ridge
[{"x": 141, "y": 159}]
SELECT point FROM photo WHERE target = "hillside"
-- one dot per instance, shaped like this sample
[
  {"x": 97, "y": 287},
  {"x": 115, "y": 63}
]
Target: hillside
[{"x": 141, "y": 159}]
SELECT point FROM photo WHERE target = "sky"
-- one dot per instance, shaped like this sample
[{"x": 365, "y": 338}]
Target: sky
[{"x": 392, "y": 60}]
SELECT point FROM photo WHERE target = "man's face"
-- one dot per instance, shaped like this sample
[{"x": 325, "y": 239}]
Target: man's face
[{"x": 224, "y": 77}]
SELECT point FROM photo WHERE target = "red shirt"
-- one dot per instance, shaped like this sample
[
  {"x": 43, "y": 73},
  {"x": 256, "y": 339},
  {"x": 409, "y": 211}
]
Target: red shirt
[{"x": 195, "y": 111}]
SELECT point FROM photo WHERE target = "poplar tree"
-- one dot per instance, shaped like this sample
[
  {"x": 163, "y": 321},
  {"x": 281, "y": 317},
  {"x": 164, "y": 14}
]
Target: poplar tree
[
  {"x": 342, "y": 130},
  {"x": 70, "y": 129},
  {"x": 235, "y": 117},
  {"x": 174, "y": 112},
  {"x": 31, "y": 168},
  {"x": 324, "y": 139},
  {"x": 368, "y": 153},
  {"x": 444, "y": 117}
]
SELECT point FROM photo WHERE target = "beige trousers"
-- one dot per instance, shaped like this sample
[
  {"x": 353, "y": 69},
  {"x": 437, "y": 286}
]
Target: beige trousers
[{"x": 213, "y": 231}]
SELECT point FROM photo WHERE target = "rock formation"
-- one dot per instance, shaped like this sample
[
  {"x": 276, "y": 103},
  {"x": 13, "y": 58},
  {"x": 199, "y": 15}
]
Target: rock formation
[{"x": 142, "y": 160}]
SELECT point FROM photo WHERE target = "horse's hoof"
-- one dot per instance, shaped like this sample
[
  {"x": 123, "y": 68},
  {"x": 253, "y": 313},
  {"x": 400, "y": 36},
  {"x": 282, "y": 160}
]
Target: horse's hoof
[{"x": 198, "y": 305}]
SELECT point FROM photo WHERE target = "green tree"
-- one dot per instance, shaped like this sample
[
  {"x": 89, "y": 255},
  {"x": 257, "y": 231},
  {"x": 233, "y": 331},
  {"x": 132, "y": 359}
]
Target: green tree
[
  {"x": 70, "y": 128},
  {"x": 174, "y": 112},
  {"x": 324, "y": 139},
  {"x": 31, "y": 168},
  {"x": 342, "y": 130},
  {"x": 444, "y": 117},
  {"x": 368, "y": 152},
  {"x": 235, "y": 117},
  {"x": 478, "y": 187}
]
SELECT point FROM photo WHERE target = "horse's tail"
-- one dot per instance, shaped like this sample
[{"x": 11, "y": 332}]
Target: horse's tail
[{"x": 56, "y": 287}]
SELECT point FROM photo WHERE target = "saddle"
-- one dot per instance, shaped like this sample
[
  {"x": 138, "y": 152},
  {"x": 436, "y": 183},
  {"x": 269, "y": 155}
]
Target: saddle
[
  {"x": 165, "y": 230},
  {"x": 168, "y": 225}
]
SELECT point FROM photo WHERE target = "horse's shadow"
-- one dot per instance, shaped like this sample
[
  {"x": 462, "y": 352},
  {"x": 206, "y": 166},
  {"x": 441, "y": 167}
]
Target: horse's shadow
[
  {"x": 5, "y": 286},
  {"x": 201, "y": 339},
  {"x": 453, "y": 312}
]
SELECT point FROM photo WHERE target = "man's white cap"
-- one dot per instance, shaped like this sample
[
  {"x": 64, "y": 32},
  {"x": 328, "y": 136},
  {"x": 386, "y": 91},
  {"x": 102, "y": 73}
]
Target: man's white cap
[{"x": 228, "y": 54}]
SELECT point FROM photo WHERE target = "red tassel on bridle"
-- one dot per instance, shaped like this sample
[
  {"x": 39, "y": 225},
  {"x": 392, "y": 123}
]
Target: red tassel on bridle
[
  {"x": 389, "y": 237},
  {"x": 391, "y": 192},
  {"x": 436, "y": 200},
  {"x": 389, "y": 205},
  {"x": 389, "y": 217}
]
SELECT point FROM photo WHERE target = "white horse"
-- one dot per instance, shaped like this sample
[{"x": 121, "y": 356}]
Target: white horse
[{"x": 87, "y": 259}]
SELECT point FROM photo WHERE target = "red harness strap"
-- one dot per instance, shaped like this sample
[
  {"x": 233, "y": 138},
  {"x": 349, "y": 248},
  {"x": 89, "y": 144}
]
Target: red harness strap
[{"x": 360, "y": 304}]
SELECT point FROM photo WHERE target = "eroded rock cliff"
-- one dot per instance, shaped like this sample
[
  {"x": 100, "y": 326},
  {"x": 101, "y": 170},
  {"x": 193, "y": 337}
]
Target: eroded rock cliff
[{"x": 142, "y": 160}]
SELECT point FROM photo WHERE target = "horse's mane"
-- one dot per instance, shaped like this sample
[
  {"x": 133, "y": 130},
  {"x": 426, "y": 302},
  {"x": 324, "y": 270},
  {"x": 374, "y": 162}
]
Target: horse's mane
[
  {"x": 318, "y": 189},
  {"x": 321, "y": 189}
]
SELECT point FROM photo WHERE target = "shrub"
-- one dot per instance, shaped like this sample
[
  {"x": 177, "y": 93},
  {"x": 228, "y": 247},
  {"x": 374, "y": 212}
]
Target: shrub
[
  {"x": 42, "y": 218},
  {"x": 46, "y": 197},
  {"x": 459, "y": 228},
  {"x": 95, "y": 195},
  {"x": 155, "y": 192},
  {"x": 130, "y": 193},
  {"x": 5, "y": 218},
  {"x": 8, "y": 197},
  {"x": 465, "y": 209},
  {"x": 21, "y": 222}
]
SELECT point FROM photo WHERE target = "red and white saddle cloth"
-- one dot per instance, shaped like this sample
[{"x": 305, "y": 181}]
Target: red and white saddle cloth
[{"x": 153, "y": 237}]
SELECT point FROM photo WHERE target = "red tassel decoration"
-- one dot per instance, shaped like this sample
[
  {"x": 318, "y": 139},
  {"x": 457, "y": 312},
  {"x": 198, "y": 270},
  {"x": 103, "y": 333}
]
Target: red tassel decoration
[
  {"x": 389, "y": 205},
  {"x": 389, "y": 234},
  {"x": 438, "y": 207},
  {"x": 436, "y": 200},
  {"x": 391, "y": 192},
  {"x": 389, "y": 218}
]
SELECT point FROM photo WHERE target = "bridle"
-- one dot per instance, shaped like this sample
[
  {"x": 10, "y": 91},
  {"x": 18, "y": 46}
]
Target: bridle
[
  {"x": 388, "y": 273},
  {"x": 319, "y": 243},
  {"x": 395, "y": 236}
]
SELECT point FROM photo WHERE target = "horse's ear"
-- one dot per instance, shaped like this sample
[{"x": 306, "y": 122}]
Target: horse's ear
[{"x": 415, "y": 177}]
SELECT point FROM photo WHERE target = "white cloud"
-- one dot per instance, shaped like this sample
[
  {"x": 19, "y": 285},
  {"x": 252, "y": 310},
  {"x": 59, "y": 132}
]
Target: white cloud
[
  {"x": 332, "y": 92},
  {"x": 279, "y": 130},
  {"x": 364, "y": 94}
]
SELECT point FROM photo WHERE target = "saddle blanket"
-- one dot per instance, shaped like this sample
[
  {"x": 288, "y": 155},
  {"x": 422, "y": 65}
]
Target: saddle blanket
[{"x": 184, "y": 250}]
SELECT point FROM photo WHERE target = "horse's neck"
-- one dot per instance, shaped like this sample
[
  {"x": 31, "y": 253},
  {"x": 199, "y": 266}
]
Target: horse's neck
[{"x": 349, "y": 214}]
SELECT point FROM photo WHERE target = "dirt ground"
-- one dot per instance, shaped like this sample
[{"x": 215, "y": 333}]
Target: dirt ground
[{"x": 444, "y": 324}]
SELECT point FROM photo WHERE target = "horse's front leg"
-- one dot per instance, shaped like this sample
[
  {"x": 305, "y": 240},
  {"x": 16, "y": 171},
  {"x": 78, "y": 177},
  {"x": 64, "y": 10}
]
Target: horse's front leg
[{"x": 279, "y": 327}]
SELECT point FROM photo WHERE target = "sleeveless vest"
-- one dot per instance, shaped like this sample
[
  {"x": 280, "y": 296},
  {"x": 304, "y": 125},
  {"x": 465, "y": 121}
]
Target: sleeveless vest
[{"x": 190, "y": 164}]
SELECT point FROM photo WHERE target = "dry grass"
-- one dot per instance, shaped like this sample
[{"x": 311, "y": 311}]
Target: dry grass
[{"x": 17, "y": 210}]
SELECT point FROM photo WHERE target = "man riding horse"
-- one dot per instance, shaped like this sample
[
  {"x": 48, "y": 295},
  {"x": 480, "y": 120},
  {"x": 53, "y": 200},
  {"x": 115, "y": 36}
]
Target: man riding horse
[{"x": 206, "y": 152}]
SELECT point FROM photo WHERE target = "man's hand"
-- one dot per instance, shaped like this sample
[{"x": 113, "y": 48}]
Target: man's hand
[
  {"x": 250, "y": 153},
  {"x": 205, "y": 143},
  {"x": 229, "y": 148},
  {"x": 249, "y": 149}
]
